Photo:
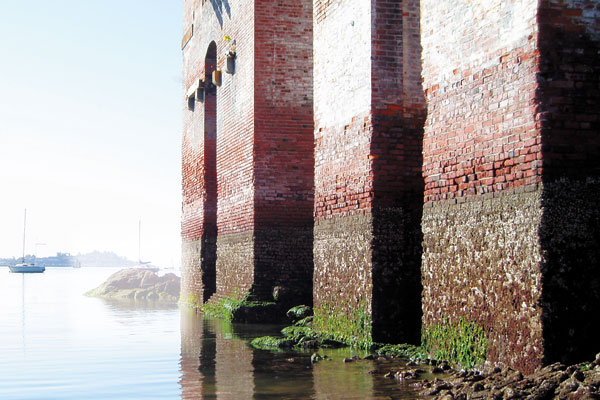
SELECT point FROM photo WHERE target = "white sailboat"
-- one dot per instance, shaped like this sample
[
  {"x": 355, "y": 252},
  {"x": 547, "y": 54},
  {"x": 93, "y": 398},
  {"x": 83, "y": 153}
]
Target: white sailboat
[{"x": 24, "y": 267}]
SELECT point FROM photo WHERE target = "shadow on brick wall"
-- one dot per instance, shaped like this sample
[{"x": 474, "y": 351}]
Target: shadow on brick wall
[
  {"x": 209, "y": 228},
  {"x": 569, "y": 99},
  {"x": 398, "y": 185}
]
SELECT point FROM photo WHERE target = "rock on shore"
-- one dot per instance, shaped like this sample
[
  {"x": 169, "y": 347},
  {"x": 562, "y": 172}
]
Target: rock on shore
[
  {"x": 556, "y": 381},
  {"x": 139, "y": 284}
]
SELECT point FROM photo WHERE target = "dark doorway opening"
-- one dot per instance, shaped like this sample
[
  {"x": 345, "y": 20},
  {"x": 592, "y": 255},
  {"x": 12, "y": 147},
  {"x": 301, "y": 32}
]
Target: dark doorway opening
[{"x": 209, "y": 236}]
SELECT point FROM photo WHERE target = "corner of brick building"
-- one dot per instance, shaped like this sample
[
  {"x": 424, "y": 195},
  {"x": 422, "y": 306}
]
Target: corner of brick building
[{"x": 261, "y": 155}]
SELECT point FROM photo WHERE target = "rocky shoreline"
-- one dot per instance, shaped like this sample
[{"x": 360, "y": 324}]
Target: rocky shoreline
[
  {"x": 555, "y": 381},
  {"x": 432, "y": 380},
  {"x": 439, "y": 380}
]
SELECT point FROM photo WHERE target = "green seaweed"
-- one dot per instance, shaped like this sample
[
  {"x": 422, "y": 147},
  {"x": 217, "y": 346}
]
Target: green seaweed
[
  {"x": 271, "y": 342},
  {"x": 299, "y": 312},
  {"x": 462, "y": 342},
  {"x": 353, "y": 329},
  {"x": 242, "y": 310},
  {"x": 409, "y": 351},
  {"x": 191, "y": 300},
  {"x": 296, "y": 336},
  {"x": 305, "y": 321},
  {"x": 298, "y": 333}
]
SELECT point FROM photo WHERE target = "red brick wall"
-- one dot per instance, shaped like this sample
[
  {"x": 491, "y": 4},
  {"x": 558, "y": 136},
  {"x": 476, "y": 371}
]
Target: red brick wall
[
  {"x": 234, "y": 139},
  {"x": 486, "y": 111},
  {"x": 568, "y": 88},
  {"x": 283, "y": 113},
  {"x": 481, "y": 133},
  {"x": 343, "y": 181},
  {"x": 283, "y": 147},
  {"x": 368, "y": 140},
  {"x": 481, "y": 150},
  {"x": 263, "y": 149},
  {"x": 343, "y": 168}
]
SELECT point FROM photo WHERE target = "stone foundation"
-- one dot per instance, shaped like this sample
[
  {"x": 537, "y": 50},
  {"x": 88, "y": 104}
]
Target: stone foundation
[
  {"x": 191, "y": 274},
  {"x": 570, "y": 243},
  {"x": 284, "y": 266},
  {"x": 343, "y": 283},
  {"x": 481, "y": 262},
  {"x": 235, "y": 264}
]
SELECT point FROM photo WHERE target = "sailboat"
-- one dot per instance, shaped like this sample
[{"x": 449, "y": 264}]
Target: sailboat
[{"x": 24, "y": 267}]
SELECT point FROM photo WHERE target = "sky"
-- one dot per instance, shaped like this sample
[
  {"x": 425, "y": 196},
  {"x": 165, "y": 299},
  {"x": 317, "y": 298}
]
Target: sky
[{"x": 90, "y": 127}]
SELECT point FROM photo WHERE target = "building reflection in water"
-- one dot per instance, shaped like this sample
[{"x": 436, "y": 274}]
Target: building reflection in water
[
  {"x": 215, "y": 364},
  {"x": 218, "y": 363}
]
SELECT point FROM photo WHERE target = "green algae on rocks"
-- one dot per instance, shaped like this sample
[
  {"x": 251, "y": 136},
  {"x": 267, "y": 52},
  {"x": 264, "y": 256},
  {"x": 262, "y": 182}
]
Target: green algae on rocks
[
  {"x": 243, "y": 310},
  {"x": 463, "y": 342},
  {"x": 353, "y": 329}
]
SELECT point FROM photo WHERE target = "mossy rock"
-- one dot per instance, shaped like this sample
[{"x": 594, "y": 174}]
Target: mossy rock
[
  {"x": 244, "y": 311},
  {"x": 308, "y": 321},
  {"x": 298, "y": 333},
  {"x": 353, "y": 329},
  {"x": 270, "y": 342},
  {"x": 409, "y": 351},
  {"x": 299, "y": 312}
]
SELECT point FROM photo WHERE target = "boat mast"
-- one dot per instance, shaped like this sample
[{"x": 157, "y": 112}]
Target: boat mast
[
  {"x": 24, "y": 227},
  {"x": 140, "y": 241}
]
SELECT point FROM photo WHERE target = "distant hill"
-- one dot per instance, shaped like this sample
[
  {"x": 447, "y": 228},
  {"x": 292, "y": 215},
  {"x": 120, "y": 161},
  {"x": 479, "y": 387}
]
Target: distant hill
[{"x": 93, "y": 259}]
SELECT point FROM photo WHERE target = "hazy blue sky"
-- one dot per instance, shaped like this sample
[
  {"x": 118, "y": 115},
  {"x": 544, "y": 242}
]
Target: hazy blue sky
[{"x": 90, "y": 126}]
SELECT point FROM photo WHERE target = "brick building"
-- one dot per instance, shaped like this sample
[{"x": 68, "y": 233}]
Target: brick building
[{"x": 400, "y": 165}]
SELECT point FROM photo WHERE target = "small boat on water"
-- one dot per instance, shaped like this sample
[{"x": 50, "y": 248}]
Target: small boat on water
[
  {"x": 23, "y": 267},
  {"x": 26, "y": 268}
]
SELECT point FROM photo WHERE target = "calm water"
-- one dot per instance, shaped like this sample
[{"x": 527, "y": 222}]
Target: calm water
[{"x": 56, "y": 343}]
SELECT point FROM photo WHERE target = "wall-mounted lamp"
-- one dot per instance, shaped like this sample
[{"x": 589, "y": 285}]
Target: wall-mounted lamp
[
  {"x": 200, "y": 90},
  {"x": 195, "y": 93},
  {"x": 230, "y": 59},
  {"x": 216, "y": 78},
  {"x": 230, "y": 63}
]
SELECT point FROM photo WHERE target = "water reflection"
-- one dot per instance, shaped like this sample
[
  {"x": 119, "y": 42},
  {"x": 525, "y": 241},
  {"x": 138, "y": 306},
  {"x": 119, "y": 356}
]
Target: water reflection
[
  {"x": 128, "y": 305},
  {"x": 218, "y": 363},
  {"x": 215, "y": 363}
]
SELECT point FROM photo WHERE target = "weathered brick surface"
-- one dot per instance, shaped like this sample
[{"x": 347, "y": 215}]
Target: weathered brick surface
[
  {"x": 343, "y": 259},
  {"x": 569, "y": 98},
  {"x": 343, "y": 168},
  {"x": 482, "y": 262},
  {"x": 482, "y": 142},
  {"x": 247, "y": 149},
  {"x": 399, "y": 147},
  {"x": 234, "y": 130},
  {"x": 512, "y": 104},
  {"x": 283, "y": 148},
  {"x": 368, "y": 163},
  {"x": 479, "y": 71}
]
